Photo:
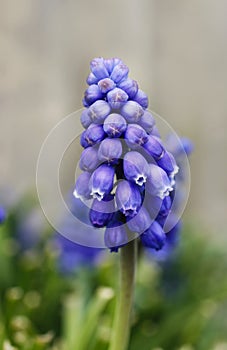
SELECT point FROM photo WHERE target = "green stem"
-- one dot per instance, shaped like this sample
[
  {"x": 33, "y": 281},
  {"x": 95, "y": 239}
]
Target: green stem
[{"x": 121, "y": 328}]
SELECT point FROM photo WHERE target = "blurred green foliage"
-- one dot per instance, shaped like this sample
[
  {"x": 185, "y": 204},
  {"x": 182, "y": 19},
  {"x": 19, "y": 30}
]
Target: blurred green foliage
[{"x": 180, "y": 304}]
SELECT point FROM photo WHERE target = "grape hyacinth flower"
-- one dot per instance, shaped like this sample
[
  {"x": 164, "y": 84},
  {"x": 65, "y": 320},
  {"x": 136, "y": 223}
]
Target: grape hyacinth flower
[
  {"x": 124, "y": 156},
  {"x": 127, "y": 172}
]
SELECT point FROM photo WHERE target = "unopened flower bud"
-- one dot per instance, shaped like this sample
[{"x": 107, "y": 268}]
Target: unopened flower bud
[
  {"x": 114, "y": 125},
  {"x": 135, "y": 136},
  {"x": 89, "y": 159},
  {"x": 116, "y": 98},
  {"x": 98, "y": 111},
  {"x": 110, "y": 150},
  {"x": 130, "y": 87},
  {"x": 92, "y": 135},
  {"x": 132, "y": 111},
  {"x": 98, "y": 68}
]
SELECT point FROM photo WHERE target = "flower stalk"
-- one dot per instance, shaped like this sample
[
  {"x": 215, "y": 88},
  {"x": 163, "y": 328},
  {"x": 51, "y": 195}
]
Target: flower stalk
[{"x": 122, "y": 320}]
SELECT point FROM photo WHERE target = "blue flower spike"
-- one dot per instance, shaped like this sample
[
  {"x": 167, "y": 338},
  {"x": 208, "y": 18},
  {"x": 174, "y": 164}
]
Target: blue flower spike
[{"x": 127, "y": 170}]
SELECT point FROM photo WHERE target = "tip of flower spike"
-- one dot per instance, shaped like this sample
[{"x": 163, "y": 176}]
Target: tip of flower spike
[{"x": 132, "y": 158}]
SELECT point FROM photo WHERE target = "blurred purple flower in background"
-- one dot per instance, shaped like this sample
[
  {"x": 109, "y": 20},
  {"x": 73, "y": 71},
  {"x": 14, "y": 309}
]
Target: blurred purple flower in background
[
  {"x": 30, "y": 227},
  {"x": 2, "y": 215},
  {"x": 73, "y": 256}
]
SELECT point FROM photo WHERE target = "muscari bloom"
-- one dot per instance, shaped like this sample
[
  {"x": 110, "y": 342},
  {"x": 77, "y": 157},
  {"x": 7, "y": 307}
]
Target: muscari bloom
[{"x": 126, "y": 167}]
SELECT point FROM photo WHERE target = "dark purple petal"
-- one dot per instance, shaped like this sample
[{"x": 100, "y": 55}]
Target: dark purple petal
[
  {"x": 136, "y": 168},
  {"x": 98, "y": 111},
  {"x": 114, "y": 125},
  {"x": 81, "y": 188},
  {"x": 132, "y": 111},
  {"x": 110, "y": 150},
  {"x": 101, "y": 182},
  {"x": 154, "y": 237},
  {"x": 116, "y": 98},
  {"x": 89, "y": 159},
  {"x": 135, "y": 136},
  {"x": 128, "y": 198}
]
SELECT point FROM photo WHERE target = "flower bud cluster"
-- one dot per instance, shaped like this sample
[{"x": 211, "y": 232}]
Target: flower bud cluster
[{"x": 125, "y": 166}]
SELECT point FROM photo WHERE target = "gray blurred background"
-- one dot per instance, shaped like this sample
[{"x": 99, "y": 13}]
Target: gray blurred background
[{"x": 175, "y": 49}]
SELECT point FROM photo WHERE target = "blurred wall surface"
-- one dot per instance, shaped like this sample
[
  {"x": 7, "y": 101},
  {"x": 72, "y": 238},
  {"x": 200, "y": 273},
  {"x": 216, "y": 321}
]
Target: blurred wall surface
[{"x": 175, "y": 49}]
